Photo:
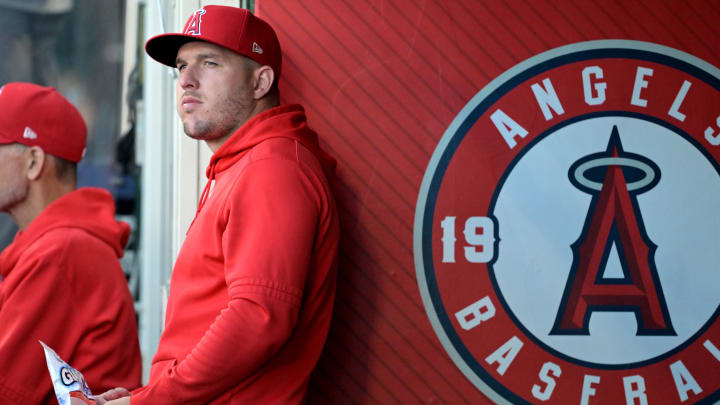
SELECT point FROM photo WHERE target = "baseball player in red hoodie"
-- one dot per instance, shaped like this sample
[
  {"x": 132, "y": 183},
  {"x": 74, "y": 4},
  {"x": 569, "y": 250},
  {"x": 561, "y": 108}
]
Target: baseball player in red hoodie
[
  {"x": 61, "y": 279},
  {"x": 252, "y": 289}
]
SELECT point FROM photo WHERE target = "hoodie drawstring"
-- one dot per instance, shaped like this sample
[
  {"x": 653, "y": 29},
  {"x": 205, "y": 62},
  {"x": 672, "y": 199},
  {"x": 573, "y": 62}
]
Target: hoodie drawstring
[{"x": 205, "y": 193}]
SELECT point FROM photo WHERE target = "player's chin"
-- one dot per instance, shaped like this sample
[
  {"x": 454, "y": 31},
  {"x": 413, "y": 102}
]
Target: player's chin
[{"x": 200, "y": 130}]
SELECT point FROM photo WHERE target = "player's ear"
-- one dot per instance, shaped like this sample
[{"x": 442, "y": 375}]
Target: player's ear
[
  {"x": 264, "y": 78},
  {"x": 35, "y": 162}
]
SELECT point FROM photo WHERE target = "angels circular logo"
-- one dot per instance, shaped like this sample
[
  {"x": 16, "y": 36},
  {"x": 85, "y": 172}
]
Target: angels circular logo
[{"x": 567, "y": 229}]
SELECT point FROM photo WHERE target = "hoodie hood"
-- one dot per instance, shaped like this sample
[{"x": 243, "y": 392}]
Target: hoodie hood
[
  {"x": 285, "y": 121},
  {"x": 89, "y": 209}
]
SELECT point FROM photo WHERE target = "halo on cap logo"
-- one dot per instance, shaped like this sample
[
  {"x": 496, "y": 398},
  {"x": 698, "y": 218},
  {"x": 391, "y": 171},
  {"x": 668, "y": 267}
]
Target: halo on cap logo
[{"x": 567, "y": 227}]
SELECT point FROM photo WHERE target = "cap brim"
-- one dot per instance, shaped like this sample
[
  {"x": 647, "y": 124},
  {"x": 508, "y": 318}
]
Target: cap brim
[
  {"x": 5, "y": 140},
  {"x": 164, "y": 47}
]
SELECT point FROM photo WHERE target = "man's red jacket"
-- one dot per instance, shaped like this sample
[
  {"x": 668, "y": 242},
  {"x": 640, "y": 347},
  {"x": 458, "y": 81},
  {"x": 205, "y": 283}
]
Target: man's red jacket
[
  {"x": 252, "y": 289},
  {"x": 62, "y": 284}
]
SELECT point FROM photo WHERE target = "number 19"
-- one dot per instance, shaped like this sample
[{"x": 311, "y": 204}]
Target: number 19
[{"x": 479, "y": 235}]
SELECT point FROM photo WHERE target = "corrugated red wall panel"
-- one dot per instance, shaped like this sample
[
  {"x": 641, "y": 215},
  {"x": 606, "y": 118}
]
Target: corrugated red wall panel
[{"x": 382, "y": 80}]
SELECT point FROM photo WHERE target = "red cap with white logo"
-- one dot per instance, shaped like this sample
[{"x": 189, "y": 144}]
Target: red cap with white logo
[
  {"x": 40, "y": 116},
  {"x": 233, "y": 28}
]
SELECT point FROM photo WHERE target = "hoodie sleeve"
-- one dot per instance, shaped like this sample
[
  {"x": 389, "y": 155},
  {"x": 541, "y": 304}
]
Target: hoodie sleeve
[{"x": 272, "y": 216}]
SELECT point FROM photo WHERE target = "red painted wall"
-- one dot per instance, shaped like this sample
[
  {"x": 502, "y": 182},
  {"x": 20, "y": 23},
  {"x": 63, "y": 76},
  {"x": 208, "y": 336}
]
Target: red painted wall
[{"x": 381, "y": 81}]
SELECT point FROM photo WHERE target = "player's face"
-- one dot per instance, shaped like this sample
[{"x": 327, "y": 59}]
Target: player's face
[
  {"x": 13, "y": 185},
  {"x": 214, "y": 91}
]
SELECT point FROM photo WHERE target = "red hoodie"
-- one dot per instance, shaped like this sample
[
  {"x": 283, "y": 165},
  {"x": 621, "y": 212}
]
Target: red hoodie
[
  {"x": 62, "y": 284},
  {"x": 253, "y": 286}
]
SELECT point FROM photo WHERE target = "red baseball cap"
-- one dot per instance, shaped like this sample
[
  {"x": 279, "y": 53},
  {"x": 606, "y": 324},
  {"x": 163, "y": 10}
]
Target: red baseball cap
[
  {"x": 233, "y": 28},
  {"x": 40, "y": 116}
]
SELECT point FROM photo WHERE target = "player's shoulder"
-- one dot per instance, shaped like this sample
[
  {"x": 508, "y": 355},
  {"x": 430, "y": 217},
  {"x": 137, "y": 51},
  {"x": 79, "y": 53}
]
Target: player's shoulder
[
  {"x": 278, "y": 148},
  {"x": 282, "y": 151},
  {"x": 68, "y": 244}
]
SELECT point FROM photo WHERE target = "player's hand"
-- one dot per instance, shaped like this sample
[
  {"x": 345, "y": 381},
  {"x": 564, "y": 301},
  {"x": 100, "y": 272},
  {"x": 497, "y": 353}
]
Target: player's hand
[
  {"x": 109, "y": 397},
  {"x": 121, "y": 401}
]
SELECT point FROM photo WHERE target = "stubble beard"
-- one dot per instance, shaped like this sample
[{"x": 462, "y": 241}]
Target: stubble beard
[
  {"x": 234, "y": 112},
  {"x": 14, "y": 193},
  {"x": 201, "y": 130}
]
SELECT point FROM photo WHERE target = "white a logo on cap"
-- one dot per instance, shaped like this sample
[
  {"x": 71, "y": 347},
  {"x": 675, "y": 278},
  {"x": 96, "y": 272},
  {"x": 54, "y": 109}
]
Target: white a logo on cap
[
  {"x": 256, "y": 48},
  {"x": 29, "y": 133},
  {"x": 193, "y": 25}
]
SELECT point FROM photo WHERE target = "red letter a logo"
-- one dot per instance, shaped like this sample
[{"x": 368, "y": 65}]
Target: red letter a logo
[
  {"x": 193, "y": 25},
  {"x": 613, "y": 220}
]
